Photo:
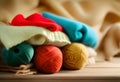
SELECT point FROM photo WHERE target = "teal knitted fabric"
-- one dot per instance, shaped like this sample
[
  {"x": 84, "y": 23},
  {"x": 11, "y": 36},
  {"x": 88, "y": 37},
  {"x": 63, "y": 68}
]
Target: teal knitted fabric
[
  {"x": 20, "y": 54},
  {"x": 77, "y": 31}
]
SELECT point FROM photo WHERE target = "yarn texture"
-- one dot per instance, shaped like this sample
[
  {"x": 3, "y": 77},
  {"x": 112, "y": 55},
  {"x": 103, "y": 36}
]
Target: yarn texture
[
  {"x": 17, "y": 55},
  {"x": 74, "y": 56},
  {"x": 48, "y": 59}
]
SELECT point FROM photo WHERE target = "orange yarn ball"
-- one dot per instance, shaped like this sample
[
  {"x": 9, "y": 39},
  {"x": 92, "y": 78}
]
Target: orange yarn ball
[{"x": 48, "y": 59}]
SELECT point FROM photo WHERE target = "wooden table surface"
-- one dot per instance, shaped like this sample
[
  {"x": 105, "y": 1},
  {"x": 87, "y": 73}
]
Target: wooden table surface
[{"x": 102, "y": 71}]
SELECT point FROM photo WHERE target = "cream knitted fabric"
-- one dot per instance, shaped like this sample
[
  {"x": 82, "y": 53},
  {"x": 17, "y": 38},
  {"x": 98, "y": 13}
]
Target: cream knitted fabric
[
  {"x": 13, "y": 35},
  {"x": 91, "y": 55}
]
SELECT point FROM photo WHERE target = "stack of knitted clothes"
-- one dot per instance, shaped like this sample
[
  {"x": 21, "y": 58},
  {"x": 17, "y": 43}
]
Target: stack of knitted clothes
[{"x": 24, "y": 37}]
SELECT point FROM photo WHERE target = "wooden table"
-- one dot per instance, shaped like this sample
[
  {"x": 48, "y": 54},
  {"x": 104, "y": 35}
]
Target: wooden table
[{"x": 102, "y": 71}]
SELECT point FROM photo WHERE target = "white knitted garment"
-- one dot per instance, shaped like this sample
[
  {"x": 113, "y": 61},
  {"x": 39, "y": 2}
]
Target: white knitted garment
[{"x": 13, "y": 35}]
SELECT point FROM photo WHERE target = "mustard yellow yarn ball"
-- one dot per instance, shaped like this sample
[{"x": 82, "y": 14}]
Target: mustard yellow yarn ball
[{"x": 74, "y": 56}]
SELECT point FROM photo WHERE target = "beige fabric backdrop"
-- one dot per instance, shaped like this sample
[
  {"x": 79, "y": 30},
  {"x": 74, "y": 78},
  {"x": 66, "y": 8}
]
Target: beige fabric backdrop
[{"x": 102, "y": 15}]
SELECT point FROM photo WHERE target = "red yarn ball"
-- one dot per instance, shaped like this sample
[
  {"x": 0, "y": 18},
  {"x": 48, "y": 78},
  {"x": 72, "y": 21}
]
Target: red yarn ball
[{"x": 48, "y": 59}]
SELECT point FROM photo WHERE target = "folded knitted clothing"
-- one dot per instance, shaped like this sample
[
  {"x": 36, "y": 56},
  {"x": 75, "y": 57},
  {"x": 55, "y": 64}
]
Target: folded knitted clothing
[
  {"x": 91, "y": 52},
  {"x": 13, "y": 35},
  {"x": 36, "y": 19},
  {"x": 91, "y": 60},
  {"x": 91, "y": 55},
  {"x": 77, "y": 31}
]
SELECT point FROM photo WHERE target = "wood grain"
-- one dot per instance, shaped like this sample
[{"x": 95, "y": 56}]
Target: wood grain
[{"x": 101, "y": 71}]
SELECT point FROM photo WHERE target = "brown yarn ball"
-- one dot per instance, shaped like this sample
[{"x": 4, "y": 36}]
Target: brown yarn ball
[{"x": 74, "y": 56}]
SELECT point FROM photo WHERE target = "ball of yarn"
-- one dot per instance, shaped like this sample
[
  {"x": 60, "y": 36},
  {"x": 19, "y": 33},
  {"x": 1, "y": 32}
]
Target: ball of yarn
[
  {"x": 17, "y": 55},
  {"x": 74, "y": 56},
  {"x": 48, "y": 59}
]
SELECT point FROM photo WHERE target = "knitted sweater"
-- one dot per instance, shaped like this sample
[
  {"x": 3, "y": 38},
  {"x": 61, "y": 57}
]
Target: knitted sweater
[{"x": 103, "y": 16}]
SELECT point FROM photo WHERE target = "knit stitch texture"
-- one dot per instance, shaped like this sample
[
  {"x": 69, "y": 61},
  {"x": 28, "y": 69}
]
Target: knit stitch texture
[
  {"x": 77, "y": 31},
  {"x": 36, "y": 19}
]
